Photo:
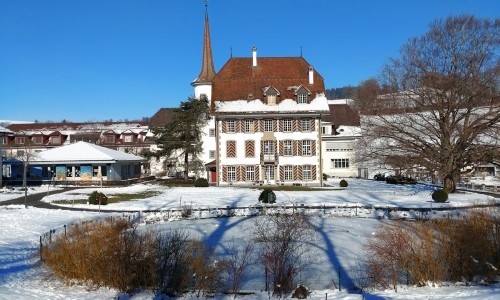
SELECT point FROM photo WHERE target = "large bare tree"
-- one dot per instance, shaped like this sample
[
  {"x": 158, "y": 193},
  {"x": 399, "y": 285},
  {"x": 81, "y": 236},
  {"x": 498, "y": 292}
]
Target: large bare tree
[{"x": 443, "y": 111}]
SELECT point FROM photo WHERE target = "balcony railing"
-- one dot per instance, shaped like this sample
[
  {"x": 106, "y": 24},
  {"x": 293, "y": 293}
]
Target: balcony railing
[{"x": 269, "y": 158}]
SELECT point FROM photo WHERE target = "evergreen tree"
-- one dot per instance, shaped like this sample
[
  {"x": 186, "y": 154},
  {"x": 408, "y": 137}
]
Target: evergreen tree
[{"x": 181, "y": 136}]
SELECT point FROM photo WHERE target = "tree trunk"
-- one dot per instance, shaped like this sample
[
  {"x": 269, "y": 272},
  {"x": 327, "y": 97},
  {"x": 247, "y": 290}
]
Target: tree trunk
[
  {"x": 186, "y": 165},
  {"x": 450, "y": 182}
]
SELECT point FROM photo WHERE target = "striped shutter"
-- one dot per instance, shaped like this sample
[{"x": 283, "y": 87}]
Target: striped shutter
[
  {"x": 243, "y": 173},
  {"x": 281, "y": 147},
  {"x": 299, "y": 173},
  {"x": 224, "y": 126},
  {"x": 257, "y": 172},
  {"x": 280, "y": 124},
  {"x": 275, "y": 125},
  {"x": 224, "y": 174},
  {"x": 313, "y": 172},
  {"x": 230, "y": 148},
  {"x": 238, "y": 173},
  {"x": 312, "y": 123},
  {"x": 313, "y": 148},
  {"x": 296, "y": 148},
  {"x": 261, "y": 150},
  {"x": 238, "y": 124},
  {"x": 259, "y": 125},
  {"x": 282, "y": 173},
  {"x": 250, "y": 148},
  {"x": 275, "y": 145},
  {"x": 297, "y": 126}
]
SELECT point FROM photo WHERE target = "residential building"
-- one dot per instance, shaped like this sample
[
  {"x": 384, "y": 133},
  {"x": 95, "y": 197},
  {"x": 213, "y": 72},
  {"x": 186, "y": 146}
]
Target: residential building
[
  {"x": 266, "y": 119},
  {"x": 340, "y": 130}
]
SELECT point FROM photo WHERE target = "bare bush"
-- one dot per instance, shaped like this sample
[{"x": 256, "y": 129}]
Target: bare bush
[
  {"x": 205, "y": 271},
  {"x": 237, "y": 261},
  {"x": 283, "y": 248},
  {"x": 173, "y": 271},
  {"x": 109, "y": 253},
  {"x": 435, "y": 251}
]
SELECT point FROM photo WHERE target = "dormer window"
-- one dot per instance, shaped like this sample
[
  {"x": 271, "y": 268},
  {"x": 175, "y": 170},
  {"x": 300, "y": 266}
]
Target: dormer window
[
  {"x": 19, "y": 140},
  {"x": 37, "y": 140},
  {"x": 55, "y": 140},
  {"x": 109, "y": 139},
  {"x": 301, "y": 98},
  {"x": 302, "y": 95},
  {"x": 271, "y": 94},
  {"x": 271, "y": 99}
]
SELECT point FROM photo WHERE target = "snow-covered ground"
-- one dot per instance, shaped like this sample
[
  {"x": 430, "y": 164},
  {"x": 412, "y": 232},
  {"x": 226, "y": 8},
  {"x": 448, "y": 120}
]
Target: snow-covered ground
[
  {"x": 338, "y": 244},
  {"x": 359, "y": 192}
]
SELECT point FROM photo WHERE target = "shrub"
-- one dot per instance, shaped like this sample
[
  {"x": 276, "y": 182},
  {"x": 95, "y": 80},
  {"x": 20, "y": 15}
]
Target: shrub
[
  {"x": 343, "y": 183},
  {"x": 440, "y": 196},
  {"x": 201, "y": 182},
  {"x": 267, "y": 196},
  {"x": 464, "y": 249},
  {"x": 379, "y": 177},
  {"x": 392, "y": 179},
  {"x": 96, "y": 196},
  {"x": 325, "y": 176},
  {"x": 110, "y": 253}
]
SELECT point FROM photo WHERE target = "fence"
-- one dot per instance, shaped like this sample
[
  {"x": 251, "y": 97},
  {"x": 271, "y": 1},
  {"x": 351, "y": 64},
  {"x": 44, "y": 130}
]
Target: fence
[{"x": 480, "y": 187}]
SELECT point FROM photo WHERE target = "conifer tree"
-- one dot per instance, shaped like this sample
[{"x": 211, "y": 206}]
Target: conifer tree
[{"x": 181, "y": 136}]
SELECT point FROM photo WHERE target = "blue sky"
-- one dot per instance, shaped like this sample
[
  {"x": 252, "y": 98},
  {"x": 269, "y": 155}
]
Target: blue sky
[{"x": 87, "y": 60}]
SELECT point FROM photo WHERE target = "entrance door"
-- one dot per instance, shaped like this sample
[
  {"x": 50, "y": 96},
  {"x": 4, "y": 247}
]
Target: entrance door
[{"x": 213, "y": 175}]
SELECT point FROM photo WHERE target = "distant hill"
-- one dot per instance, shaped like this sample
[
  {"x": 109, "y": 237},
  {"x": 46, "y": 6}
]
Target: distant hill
[{"x": 345, "y": 92}]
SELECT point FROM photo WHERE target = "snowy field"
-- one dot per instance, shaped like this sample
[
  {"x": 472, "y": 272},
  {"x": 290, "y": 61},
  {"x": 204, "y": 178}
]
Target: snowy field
[
  {"x": 338, "y": 245},
  {"x": 359, "y": 192}
]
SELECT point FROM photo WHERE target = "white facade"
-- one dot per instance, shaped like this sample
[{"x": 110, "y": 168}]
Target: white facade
[{"x": 269, "y": 144}]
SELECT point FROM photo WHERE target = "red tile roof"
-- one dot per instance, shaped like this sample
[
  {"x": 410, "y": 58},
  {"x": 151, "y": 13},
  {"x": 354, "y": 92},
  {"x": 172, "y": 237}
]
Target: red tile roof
[
  {"x": 343, "y": 114},
  {"x": 238, "y": 78},
  {"x": 161, "y": 117}
]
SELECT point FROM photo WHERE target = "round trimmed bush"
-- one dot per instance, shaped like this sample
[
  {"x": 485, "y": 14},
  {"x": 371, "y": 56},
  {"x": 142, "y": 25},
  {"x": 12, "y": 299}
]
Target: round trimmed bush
[
  {"x": 267, "y": 196},
  {"x": 440, "y": 196},
  {"x": 343, "y": 183},
  {"x": 96, "y": 196},
  {"x": 201, "y": 182}
]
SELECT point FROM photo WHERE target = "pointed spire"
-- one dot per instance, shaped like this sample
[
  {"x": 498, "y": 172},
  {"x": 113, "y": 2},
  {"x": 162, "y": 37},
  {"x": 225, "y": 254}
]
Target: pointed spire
[{"x": 207, "y": 65}]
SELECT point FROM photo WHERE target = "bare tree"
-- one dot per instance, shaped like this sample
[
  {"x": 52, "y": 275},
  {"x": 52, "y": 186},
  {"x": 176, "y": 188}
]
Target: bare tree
[
  {"x": 283, "y": 250},
  {"x": 443, "y": 112}
]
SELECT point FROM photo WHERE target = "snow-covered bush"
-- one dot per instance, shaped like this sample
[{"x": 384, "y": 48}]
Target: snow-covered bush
[
  {"x": 440, "y": 196},
  {"x": 267, "y": 196},
  {"x": 96, "y": 198},
  {"x": 343, "y": 183},
  {"x": 201, "y": 182}
]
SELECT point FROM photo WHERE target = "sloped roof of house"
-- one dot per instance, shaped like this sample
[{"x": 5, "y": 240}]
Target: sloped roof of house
[
  {"x": 84, "y": 152},
  {"x": 75, "y": 126},
  {"x": 238, "y": 79},
  {"x": 343, "y": 115},
  {"x": 161, "y": 117}
]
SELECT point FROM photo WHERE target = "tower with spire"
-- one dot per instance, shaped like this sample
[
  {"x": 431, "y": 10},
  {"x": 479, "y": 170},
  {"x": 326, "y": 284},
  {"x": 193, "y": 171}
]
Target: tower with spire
[{"x": 203, "y": 83}]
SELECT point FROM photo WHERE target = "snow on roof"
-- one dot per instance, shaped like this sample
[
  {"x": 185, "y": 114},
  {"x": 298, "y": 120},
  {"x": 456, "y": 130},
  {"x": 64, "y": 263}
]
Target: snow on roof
[
  {"x": 348, "y": 131},
  {"x": 4, "y": 131},
  {"x": 340, "y": 101},
  {"x": 82, "y": 151},
  {"x": 318, "y": 104}
]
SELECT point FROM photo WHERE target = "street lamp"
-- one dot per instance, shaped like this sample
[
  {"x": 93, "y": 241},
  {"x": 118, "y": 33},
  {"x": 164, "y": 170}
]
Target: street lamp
[{"x": 3, "y": 132}]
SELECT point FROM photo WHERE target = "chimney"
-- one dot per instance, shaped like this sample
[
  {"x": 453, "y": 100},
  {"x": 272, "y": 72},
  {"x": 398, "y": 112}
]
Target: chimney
[
  {"x": 311, "y": 75},
  {"x": 254, "y": 56}
]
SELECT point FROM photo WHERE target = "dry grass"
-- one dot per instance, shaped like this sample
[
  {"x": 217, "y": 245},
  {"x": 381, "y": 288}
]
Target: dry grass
[{"x": 435, "y": 251}]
